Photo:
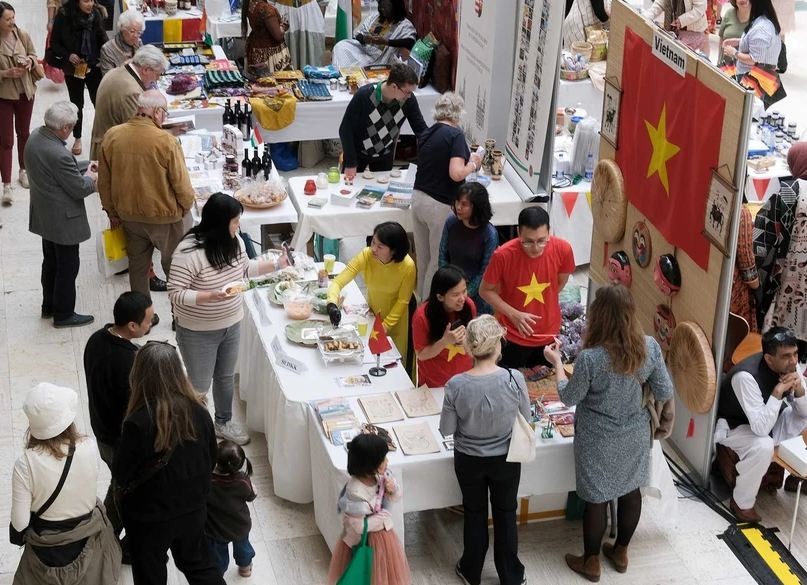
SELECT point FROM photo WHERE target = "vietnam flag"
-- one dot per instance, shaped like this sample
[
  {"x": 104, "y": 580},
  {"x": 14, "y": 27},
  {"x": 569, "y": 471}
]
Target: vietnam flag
[
  {"x": 669, "y": 141},
  {"x": 378, "y": 342}
]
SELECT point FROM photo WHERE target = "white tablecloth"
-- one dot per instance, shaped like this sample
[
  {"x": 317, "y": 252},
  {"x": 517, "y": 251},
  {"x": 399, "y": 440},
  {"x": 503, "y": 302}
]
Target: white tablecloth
[
  {"x": 583, "y": 93},
  {"x": 220, "y": 27},
  {"x": 336, "y": 221},
  {"x": 277, "y": 399},
  {"x": 428, "y": 482},
  {"x": 320, "y": 120}
]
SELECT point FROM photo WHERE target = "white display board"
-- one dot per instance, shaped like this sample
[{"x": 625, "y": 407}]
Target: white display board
[
  {"x": 484, "y": 66},
  {"x": 535, "y": 75}
]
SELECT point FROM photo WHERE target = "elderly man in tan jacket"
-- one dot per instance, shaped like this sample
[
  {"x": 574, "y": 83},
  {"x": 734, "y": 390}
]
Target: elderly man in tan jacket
[
  {"x": 116, "y": 100},
  {"x": 145, "y": 186}
]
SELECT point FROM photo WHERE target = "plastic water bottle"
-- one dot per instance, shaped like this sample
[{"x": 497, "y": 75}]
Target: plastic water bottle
[{"x": 589, "y": 167}]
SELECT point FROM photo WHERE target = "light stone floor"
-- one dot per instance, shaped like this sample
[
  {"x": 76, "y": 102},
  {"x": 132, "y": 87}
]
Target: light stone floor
[{"x": 290, "y": 551}]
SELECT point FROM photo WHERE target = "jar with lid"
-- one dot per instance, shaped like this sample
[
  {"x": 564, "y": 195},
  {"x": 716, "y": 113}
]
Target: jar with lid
[{"x": 231, "y": 179}]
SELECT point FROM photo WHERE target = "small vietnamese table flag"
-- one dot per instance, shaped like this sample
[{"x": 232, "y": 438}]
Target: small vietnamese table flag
[{"x": 378, "y": 343}]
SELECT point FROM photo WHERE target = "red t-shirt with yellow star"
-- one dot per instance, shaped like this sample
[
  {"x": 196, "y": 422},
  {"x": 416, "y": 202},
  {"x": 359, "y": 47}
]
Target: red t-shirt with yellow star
[
  {"x": 449, "y": 362},
  {"x": 531, "y": 285}
]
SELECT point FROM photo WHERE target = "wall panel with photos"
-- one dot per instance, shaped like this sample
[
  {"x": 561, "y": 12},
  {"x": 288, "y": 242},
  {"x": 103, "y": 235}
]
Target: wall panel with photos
[{"x": 661, "y": 157}]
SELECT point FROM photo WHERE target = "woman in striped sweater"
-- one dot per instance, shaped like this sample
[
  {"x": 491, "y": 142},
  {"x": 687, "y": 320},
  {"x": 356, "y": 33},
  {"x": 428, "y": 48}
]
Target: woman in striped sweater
[{"x": 211, "y": 256}]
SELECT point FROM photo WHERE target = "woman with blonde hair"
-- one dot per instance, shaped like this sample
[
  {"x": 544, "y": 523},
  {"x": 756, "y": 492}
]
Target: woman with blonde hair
[
  {"x": 444, "y": 161},
  {"x": 479, "y": 408},
  {"x": 612, "y": 439},
  {"x": 163, "y": 468}
]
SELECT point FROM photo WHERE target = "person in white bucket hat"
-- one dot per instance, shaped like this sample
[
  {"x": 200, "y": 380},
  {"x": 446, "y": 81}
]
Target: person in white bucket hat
[{"x": 54, "y": 505}]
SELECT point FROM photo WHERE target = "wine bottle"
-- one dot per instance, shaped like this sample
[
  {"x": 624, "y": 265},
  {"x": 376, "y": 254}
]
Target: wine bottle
[
  {"x": 225, "y": 117},
  {"x": 247, "y": 120},
  {"x": 238, "y": 116},
  {"x": 246, "y": 164},
  {"x": 248, "y": 135},
  {"x": 267, "y": 158},
  {"x": 256, "y": 164},
  {"x": 266, "y": 171}
]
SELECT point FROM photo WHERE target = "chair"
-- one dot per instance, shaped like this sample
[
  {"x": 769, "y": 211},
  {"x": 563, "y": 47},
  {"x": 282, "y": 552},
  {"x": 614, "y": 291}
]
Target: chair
[{"x": 736, "y": 331}]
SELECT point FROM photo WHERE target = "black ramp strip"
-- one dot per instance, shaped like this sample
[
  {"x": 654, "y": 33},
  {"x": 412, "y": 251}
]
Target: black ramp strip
[{"x": 763, "y": 555}]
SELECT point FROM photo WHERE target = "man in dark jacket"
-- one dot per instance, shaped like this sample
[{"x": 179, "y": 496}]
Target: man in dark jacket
[
  {"x": 373, "y": 120},
  {"x": 57, "y": 212},
  {"x": 108, "y": 359}
]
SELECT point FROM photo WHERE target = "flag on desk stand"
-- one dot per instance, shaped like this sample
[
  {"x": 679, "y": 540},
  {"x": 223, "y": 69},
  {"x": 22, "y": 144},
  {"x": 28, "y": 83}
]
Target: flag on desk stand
[{"x": 378, "y": 343}]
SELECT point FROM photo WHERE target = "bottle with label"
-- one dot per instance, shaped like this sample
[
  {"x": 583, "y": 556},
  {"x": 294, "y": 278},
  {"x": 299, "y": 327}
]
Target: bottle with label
[
  {"x": 246, "y": 165},
  {"x": 226, "y": 116},
  {"x": 257, "y": 167},
  {"x": 238, "y": 115},
  {"x": 589, "y": 166},
  {"x": 266, "y": 161}
]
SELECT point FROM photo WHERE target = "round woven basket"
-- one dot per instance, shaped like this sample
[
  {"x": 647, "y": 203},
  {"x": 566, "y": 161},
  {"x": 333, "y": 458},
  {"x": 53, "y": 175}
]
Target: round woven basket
[
  {"x": 573, "y": 75},
  {"x": 608, "y": 201},
  {"x": 582, "y": 48},
  {"x": 692, "y": 367}
]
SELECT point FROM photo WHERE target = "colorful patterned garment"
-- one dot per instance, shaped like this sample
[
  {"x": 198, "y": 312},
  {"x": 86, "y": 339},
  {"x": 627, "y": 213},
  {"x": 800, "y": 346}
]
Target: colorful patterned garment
[
  {"x": 771, "y": 235},
  {"x": 743, "y": 302},
  {"x": 219, "y": 79},
  {"x": 385, "y": 125},
  {"x": 790, "y": 303}
]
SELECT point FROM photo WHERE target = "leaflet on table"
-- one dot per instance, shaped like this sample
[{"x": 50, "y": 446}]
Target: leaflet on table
[
  {"x": 355, "y": 381},
  {"x": 369, "y": 196},
  {"x": 398, "y": 194}
]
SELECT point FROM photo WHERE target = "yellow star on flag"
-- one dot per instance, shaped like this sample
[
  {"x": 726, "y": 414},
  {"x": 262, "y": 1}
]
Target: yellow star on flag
[
  {"x": 534, "y": 291},
  {"x": 454, "y": 350},
  {"x": 374, "y": 334},
  {"x": 663, "y": 149}
]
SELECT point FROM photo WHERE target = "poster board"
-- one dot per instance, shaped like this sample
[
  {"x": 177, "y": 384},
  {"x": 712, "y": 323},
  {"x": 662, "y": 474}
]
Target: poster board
[
  {"x": 530, "y": 127},
  {"x": 704, "y": 293},
  {"x": 484, "y": 67}
]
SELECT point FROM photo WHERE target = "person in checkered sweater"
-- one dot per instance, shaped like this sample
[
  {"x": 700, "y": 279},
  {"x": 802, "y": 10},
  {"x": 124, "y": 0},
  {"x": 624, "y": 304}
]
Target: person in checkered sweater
[{"x": 373, "y": 119}]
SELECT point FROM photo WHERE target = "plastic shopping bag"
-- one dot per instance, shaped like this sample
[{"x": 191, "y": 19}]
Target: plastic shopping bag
[{"x": 110, "y": 260}]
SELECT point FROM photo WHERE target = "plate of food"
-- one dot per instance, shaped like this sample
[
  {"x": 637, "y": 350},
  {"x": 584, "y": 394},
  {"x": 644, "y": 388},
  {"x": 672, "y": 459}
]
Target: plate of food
[
  {"x": 305, "y": 332},
  {"x": 261, "y": 195},
  {"x": 340, "y": 344},
  {"x": 275, "y": 291},
  {"x": 234, "y": 288}
]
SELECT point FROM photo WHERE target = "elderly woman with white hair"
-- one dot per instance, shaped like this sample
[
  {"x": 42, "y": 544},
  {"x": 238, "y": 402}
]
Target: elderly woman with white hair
[
  {"x": 119, "y": 49},
  {"x": 444, "y": 161},
  {"x": 55, "y": 510},
  {"x": 479, "y": 408},
  {"x": 58, "y": 215}
]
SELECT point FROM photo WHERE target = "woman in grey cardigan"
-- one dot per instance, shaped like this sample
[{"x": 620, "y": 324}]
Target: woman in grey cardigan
[
  {"x": 479, "y": 409},
  {"x": 612, "y": 438}
]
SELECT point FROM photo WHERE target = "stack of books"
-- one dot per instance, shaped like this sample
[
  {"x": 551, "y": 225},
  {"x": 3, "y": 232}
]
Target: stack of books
[{"x": 338, "y": 420}]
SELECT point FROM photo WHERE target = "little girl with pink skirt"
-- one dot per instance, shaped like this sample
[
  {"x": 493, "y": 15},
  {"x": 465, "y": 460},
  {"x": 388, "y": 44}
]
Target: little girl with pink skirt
[{"x": 368, "y": 492}]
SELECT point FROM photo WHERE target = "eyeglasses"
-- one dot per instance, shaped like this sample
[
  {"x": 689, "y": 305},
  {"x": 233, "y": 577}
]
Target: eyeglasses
[
  {"x": 161, "y": 109},
  {"x": 134, "y": 31},
  {"x": 540, "y": 243},
  {"x": 407, "y": 94}
]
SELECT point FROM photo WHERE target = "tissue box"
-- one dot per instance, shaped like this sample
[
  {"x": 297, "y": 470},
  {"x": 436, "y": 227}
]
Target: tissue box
[{"x": 794, "y": 453}]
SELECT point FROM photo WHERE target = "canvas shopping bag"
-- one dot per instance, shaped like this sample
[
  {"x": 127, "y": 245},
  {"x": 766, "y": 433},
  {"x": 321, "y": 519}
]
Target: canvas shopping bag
[
  {"x": 522, "y": 438},
  {"x": 360, "y": 569}
]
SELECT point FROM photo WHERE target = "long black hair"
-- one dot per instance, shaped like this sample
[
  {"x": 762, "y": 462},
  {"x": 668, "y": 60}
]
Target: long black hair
[
  {"x": 443, "y": 281},
  {"x": 763, "y": 8},
  {"x": 213, "y": 232},
  {"x": 74, "y": 13}
]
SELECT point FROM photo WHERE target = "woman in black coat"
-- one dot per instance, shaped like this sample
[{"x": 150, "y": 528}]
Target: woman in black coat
[{"x": 76, "y": 41}]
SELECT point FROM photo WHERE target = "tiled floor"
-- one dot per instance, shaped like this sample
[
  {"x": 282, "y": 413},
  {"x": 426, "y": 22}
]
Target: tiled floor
[{"x": 290, "y": 551}]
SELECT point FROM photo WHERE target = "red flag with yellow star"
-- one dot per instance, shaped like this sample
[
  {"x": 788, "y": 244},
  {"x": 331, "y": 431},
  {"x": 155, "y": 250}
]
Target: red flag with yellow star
[
  {"x": 378, "y": 342},
  {"x": 669, "y": 141}
]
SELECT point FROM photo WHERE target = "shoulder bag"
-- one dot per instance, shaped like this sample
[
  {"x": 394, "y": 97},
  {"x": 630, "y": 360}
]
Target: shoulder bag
[
  {"x": 360, "y": 569},
  {"x": 150, "y": 471},
  {"x": 18, "y": 537},
  {"x": 522, "y": 438}
]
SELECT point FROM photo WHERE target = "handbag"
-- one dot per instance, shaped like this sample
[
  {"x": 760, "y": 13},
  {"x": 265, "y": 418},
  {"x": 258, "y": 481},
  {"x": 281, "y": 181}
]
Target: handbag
[
  {"x": 17, "y": 537},
  {"x": 360, "y": 569},
  {"x": 522, "y": 437},
  {"x": 121, "y": 491}
]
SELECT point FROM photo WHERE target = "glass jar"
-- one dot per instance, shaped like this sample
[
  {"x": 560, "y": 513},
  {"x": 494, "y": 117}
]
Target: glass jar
[{"x": 333, "y": 175}]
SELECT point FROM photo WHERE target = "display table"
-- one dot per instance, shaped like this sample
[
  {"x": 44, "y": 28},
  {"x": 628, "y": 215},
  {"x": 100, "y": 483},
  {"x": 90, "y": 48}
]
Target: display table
[
  {"x": 277, "y": 398},
  {"x": 321, "y": 120},
  {"x": 760, "y": 186},
  {"x": 336, "y": 221},
  {"x": 223, "y": 27},
  {"x": 428, "y": 482}
]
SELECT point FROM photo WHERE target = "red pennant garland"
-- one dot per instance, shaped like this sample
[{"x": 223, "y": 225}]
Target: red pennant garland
[
  {"x": 569, "y": 201},
  {"x": 761, "y": 187},
  {"x": 691, "y": 428}
]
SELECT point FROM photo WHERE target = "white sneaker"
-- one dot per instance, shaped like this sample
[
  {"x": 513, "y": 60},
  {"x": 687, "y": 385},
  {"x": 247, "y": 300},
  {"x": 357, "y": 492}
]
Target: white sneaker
[
  {"x": 232, "y": 432},
  {"x": 24, "y": 180},
  {"x": 8, "y": 194}
]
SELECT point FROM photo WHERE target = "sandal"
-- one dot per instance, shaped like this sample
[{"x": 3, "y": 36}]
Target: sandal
[{"x": 76, "y": 150}]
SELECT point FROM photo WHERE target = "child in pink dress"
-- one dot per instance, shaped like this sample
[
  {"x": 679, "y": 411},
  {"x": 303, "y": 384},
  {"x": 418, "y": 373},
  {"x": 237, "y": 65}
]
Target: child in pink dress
[{"x": 367, "y": 494}]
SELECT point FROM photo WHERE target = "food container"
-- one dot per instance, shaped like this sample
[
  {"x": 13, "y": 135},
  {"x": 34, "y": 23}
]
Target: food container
[
  {"x": 298, "y": 305},
  {"x": 340, "y": 345}
]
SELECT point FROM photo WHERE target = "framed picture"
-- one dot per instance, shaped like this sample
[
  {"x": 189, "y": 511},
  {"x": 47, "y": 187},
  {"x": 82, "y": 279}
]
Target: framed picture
[
  {"x": 610, "y": 112},
  {"x": 719, "y": 208}
]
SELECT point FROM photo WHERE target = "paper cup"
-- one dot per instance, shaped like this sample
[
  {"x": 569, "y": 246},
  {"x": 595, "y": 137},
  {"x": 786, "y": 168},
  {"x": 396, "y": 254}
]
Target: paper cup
[{"x": 329, "y": 261}]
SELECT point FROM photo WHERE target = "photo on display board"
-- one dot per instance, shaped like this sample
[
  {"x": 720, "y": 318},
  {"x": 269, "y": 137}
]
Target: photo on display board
[
  {"x": 719, "y": 208},
  {"x": 610, "y": 112}
]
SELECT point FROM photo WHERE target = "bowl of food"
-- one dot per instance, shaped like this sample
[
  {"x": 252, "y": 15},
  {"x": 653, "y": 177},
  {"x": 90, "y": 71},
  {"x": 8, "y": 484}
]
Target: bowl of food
[
  {"x": 298, "y": 305},
  {"x": 262, "y": 194}
]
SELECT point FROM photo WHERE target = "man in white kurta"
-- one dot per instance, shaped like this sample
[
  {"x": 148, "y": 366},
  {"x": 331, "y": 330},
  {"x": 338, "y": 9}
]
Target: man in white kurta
[{"x": 762, "y": 403}]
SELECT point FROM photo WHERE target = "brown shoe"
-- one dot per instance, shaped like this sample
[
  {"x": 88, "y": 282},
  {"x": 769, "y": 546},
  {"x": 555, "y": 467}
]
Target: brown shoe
[
  {"x": 617, "y": 554},
  {"x": 792, "y": 484},
  {"x": 773, "y": 478},
  {"x": 749, "y": 515},
  {"x": 589, "y": 567}
]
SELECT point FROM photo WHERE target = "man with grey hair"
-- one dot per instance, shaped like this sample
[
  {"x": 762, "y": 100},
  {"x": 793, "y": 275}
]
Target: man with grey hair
[
  {"x": 116, "y": 99},
  {"x": 57, "y": 212},
  {"x": 145, "y": 186},
  {"x": 119, "y": 49}
]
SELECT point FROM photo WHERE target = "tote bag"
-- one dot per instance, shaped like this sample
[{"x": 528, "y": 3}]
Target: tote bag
[
  {"x": 522, "y": 438},
  {"x": 360, "y": 569}
]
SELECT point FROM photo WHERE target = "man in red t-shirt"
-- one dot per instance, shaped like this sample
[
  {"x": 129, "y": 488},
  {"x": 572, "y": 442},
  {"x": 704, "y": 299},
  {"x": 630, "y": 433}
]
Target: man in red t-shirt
[{"x": 522, "y": 283}]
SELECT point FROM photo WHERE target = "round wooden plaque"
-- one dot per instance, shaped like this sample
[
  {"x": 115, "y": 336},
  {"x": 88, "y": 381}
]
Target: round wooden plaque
[
  {"x": 608, "y": 202},
  {"x": 692, "y": 367}
]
